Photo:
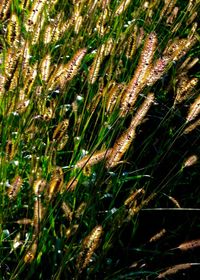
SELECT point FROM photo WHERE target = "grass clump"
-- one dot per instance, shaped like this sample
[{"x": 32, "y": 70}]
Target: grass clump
[{"x": 99, "y": 147}]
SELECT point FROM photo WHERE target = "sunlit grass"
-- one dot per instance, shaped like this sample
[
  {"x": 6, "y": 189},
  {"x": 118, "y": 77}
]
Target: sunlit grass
[{"x": 99, "y": 142}]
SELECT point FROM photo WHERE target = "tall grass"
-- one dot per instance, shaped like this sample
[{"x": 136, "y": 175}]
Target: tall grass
[{"x": 99, "y": 147}]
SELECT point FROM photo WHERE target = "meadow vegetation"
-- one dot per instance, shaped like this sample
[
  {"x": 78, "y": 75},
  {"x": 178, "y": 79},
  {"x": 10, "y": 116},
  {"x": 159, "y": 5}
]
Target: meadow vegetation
[{"x": 99, "y": 139}]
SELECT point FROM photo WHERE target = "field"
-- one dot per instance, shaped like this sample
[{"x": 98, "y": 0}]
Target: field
[{"x": 99, "y": 139}]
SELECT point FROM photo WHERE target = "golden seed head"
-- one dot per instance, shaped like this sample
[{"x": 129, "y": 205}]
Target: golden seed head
[
  {"x": 191, "y": 160},
  {"x": 15, "y": 187}
]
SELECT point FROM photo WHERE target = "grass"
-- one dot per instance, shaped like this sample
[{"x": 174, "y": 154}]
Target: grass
[{"x": 99, "y": 149}]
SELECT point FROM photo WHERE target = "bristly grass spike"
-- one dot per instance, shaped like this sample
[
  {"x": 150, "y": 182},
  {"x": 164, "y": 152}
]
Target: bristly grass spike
[
  {"x": 158, "y": 235},
  {"x": 30, "y": 255},
  {"x": 194, "y": 110},
  {"x": 124, "y": 141},
  {"x": 15, "y": 186},
  {"x": 13, "y": 31},
  {"x": 89, "y": 245},
  {"x": 45, "y": 67},
  {"x": 192, "y": 127},
  {"x": 191, "y": 160},
  {"x": 39, "y": 186},
  {"x": 67, "y": 211},
  {"x": 93, "y": 159},
  {"x": 174, "y": 269},
  {"x": 141, "y": 74},
  {"x": 122, "y": 7},
  {"x": 71, "y": 185},
  {"x": 56, "y": 182},
  {"x": 35, "y": 12},
  {"x": 4, "y": 8}
]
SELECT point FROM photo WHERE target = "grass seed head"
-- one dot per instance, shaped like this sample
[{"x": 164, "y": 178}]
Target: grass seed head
[
  {"x": 15, "y": 187},
  {"x": 71, "y": 68},
  {"x": 194, "y": 110},
  {"x": 35, "y": 12},
  {"x": 131, "y": 200},
  {"x": 56, "y": 182},
  {"x": 93, "y": 159},
  {"x": 122, "y": 7},
  {"x": 124, "y": 141},
  {"x": 185, "y": 88},
  {"x": 45, "y": 67},
  {"x": 24, "y": 221},
  {"x": 192, "y": 127},
  {"x": 4, "y": 8},
  {"x": 39, "y": 186},
  {"x": 191, "y": 160},
  {"x": 13, "y": 31},
  {"x": 174, "y": 269},
  {"x": 60, "y": 130},
  {"x": 30, "y": 255},
  {"x": 71, "y": 185},
  {"x": 89, "y": 245},
  {"x": 158, "y": 235},
  {"x": 67, "y": 211},
  {"x": 192, "y": 244},
  {"x": 38, "y": 215}
]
